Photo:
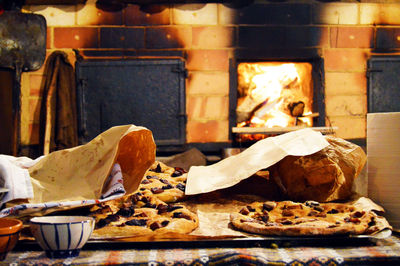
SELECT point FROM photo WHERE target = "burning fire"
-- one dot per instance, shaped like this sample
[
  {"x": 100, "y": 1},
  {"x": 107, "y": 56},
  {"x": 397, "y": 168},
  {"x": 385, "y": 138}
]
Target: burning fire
[{"x": 274, "y": 94}]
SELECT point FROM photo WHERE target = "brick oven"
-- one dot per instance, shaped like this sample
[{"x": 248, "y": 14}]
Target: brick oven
[{"x": 337, "y": 38}]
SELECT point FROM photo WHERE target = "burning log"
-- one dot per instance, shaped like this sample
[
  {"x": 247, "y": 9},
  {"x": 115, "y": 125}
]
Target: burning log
[{"x": 296, "y": 108}]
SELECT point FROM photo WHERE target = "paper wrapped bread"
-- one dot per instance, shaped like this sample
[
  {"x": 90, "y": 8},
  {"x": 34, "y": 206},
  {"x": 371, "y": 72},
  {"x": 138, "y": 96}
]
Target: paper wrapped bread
[
  {"x": 80, "y": 173},
  {"x": 323, "y": 176}
]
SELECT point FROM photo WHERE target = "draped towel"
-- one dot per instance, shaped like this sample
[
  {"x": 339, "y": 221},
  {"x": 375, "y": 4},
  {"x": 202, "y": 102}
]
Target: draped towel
[{"x": 58, "y": 119}]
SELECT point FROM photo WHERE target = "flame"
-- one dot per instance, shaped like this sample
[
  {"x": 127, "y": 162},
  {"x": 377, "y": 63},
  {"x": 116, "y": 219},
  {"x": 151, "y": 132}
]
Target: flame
[{"x": 265, "y": 90}]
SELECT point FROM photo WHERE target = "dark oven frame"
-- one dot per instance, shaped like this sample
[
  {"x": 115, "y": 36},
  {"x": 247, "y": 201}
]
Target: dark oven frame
[{"x": 280, "y": 55}]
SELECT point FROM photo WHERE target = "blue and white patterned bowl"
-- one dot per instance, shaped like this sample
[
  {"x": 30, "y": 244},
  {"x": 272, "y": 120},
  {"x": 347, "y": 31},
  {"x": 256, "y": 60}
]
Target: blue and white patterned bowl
[{"x": 62, "y": 236}]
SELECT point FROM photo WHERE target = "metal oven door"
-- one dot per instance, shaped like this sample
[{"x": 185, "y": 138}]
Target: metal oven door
[{"x": 143, "y": 92}]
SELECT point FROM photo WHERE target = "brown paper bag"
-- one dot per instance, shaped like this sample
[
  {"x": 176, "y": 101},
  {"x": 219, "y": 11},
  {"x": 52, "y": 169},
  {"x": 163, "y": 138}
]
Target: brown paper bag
[
  {"x": 323, "y": 176},
  {"x": 80, "y": 173}
]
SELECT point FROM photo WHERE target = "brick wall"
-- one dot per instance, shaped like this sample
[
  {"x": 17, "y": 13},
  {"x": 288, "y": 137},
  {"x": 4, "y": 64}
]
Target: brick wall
[{"x": 207, "y": 36}]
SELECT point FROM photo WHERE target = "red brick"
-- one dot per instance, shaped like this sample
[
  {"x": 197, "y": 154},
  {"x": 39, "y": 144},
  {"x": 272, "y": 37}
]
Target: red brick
[
  {"x": 213, "y": 37},
  {"x": 339, "y": 83},
  {"x": 208, "y": 60},
  {"x": 345, "y": 60},
  {"x": 208, "y": 107},
  {"x": 210, "y": 131},
  {"x": 352, "y": 37},
  {"x": 349, "y": 127},
  {"x": 207, "y": 83},
  {"x": 346, "y": 105},
  {"x": 168, "y": 37},
  {"x": 79, "y": 37},
  {"x": 152, "y": 15},
  {"x": 91, "y": 15},
  {"x": 48, "y": 37},
  {"x": 36, "y": 84}
]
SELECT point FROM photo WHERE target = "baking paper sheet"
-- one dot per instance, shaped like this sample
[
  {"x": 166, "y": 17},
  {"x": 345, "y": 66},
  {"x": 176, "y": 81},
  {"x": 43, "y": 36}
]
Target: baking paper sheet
[
  {"x": 71, "y": 177},
  {"x": 262, "y": 154}
]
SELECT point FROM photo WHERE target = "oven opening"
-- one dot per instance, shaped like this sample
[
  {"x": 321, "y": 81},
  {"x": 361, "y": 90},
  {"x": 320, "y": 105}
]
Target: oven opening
[{"x": 275, "y": 97}]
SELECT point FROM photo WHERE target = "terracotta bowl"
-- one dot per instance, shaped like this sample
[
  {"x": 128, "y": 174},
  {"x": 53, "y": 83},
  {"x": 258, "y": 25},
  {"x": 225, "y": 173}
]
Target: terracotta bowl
[
  {"x": 62, "y": 236},
  {"x": 9, "y": 235}
]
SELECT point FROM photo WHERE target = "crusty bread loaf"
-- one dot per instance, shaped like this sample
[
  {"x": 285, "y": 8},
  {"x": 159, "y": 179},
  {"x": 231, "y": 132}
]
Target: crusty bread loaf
[{"x": 323, "y": 176}]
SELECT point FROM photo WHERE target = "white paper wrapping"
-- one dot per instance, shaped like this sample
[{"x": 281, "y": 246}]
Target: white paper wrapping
[{"x": 262, "y": 154}]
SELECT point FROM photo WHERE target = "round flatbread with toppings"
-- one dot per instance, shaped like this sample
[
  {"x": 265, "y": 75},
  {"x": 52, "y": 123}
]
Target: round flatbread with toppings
[
  {"x": 140, "y": 214},
  {"x": 301, "y": 219}
]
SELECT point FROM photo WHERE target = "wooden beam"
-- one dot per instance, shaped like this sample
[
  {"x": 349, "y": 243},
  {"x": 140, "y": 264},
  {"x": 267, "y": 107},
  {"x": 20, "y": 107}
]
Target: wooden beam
[{"x": 279, "y": 130}]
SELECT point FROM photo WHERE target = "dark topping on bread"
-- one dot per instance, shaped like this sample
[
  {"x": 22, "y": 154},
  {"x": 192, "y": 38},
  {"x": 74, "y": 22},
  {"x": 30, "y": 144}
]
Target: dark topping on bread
[
  {"x": 181, "y": 215},
  {"x": 155, "y": 225},
  {"x": 312, "y": 213},
  {"x": 287, "y": 213},
  {"x": 101, "y": 223},
  {"x": 113, "y": 217},
  {"x": 149, "y": 205},
  {"x": 249, "y": 220},
  {"x": 311, "y": 203},
  {"x": 165, "y": 181},
  {"x": 104, "y": 209},
  {"x": 169, "y": 186},
  {"x": 145, "y": 199},
  {"x": 158, "y": 169},
  {"x": 173, "y": 207},
  {"x": 352, "y": 220},
  {"x": 181, "y": 187},
  {"x": 152, "y": 177},
  {"x": 332, "y": 211},
  {"x": 372, "y": 222},
  {"x": 137, "y": 222},
  {"x": 244, "y": 211},
  {"x": 318, "y": 208},
  {"x": 145, "y": 181},
  {"x": 264, "y": 218},
  {"x": 135, "y": 197},
  {"x": 110, "y": 218},
  {"x": 142, "y": 214},
  {"x": 293, "y": 207},
  {"x": 178, "y": 172},
  {"x": 164, "y": 223},
  {"x": 126, "y": 212},
  {"x": 358, "y": 214},
  {"x": 333, "y": 226},
  {"x": 268, "y": 206},
  {"x": 251, "y": 209},
  {"x": 162, "y": 208},
  {"x": 285, "y": 221},
  {"x": 156, "y": 190}
]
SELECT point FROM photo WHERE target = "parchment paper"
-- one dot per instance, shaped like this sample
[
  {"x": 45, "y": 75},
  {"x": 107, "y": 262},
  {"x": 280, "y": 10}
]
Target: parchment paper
[
  {"x": 262, "y": 154},
  {"x": 80, "y": 173}
]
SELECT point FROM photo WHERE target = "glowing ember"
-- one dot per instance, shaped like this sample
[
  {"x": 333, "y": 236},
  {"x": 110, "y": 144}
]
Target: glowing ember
[{"x": 274, "y": 94}]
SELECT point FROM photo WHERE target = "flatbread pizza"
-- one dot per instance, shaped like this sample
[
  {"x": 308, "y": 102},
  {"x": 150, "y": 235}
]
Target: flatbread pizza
[
  {"x": 140, "y": 214},
  {"x": 290, "y": 218}
]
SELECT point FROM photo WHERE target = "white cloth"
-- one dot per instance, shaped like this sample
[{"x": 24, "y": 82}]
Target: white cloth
[{"x": 14, "y": 176}]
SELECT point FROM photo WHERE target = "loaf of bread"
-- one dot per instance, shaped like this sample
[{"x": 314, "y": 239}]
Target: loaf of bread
[{"x": 323, "y": 176}]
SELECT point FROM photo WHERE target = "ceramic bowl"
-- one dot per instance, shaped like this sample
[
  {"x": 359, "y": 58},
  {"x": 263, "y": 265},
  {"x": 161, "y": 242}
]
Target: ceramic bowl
[
  {"x": 62, "y": 236},
  {"x": 9, "y": 234}
]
